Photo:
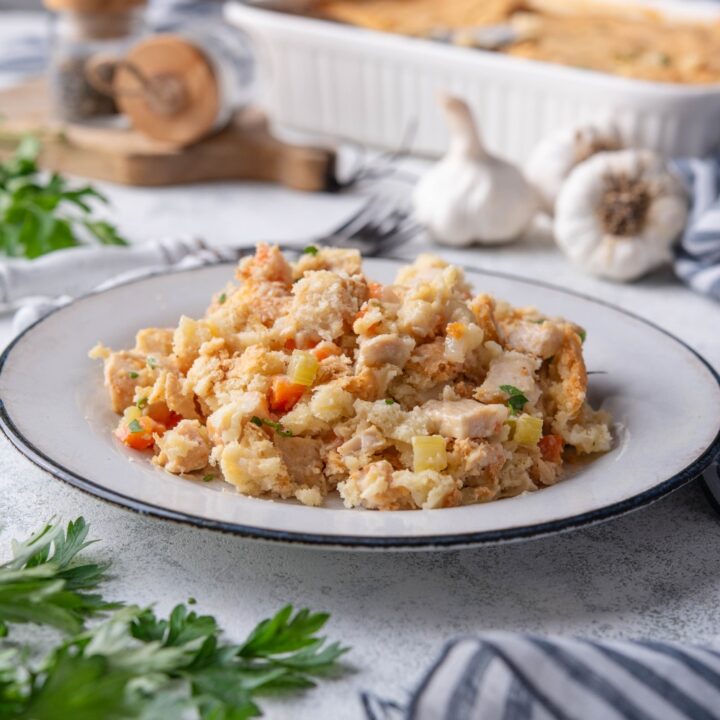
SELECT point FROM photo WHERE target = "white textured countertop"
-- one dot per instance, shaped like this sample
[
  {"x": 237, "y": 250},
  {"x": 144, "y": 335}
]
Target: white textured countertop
[{"x": 653, "y": 573}]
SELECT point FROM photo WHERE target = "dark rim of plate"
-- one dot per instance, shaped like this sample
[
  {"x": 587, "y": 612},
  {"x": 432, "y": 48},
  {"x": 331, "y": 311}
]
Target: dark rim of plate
[{"x": 693, "y": 470}]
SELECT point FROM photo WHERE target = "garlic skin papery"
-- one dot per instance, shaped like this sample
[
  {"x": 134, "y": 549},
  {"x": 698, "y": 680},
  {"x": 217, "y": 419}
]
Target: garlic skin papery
[
  {"x": 619, "y": 213},
  {"x": 554, "y": 157},
  {"x": 470, "y": 195}
]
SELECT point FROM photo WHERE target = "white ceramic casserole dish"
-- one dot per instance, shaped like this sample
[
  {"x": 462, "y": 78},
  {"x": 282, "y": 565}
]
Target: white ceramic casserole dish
[{"x": 343, "y": 82}]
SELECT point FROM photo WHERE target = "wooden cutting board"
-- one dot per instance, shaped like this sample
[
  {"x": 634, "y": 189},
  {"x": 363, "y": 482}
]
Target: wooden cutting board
[{"x": 245, "y": 150}]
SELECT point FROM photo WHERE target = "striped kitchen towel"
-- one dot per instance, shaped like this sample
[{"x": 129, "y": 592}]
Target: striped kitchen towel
[
  {"x": 509, "y": 676},
  {"x": 697, "y": 256}
]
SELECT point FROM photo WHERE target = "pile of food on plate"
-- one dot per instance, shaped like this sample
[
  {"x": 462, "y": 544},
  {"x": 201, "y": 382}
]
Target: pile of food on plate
[
  {"x": 616, "y": 38},
  {"x": 308, "y": 378}
]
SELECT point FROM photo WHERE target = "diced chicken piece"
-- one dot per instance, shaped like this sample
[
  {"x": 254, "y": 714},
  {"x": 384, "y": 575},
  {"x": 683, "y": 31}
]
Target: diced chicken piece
[
  {"x": 171, "y": 389},
  {"x": 325, "y": 304},
  {"x": 510, "y": 368},
  {"x": 124, "y": 371},
  {"x": 537, "y": 338},
  {"x": 464, "y": 418},
  {"x": 254, "y": 465},
  {"x": 267, "y": 265},
  {"x": 179, "y": 397},
  {"x": 227, "y": 422},
  {"x": 185, "y": 448},
  {"x": 154, "y": 341},
  {"x": 333, "y": 259},
  {"x": 366, "y": 442},
  {"x": 303, "y": 461},
  {"x": 385, "y": 349}
]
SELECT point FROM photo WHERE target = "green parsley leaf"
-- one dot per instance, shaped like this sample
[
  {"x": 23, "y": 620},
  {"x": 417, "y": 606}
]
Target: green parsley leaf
[
  {"x": 46, "y": 585},
  {"x": 135, "y": 426},
  {"x": 141, "y": 404},
  {"x": 310, "y": 250},
  {"x": 151, "y": 363},
  {"x": 279, "y": 429},
  {"x": 583, "y": 336},
  {"x": 135, "y": 664},
  {"x": 222, "y": 298},
  {"x": 132, "y": 374},
  {"x": 208, "y": 478},
  {"x": 389, "y": 401},
  {"x": 516, "y": 399},
  {"x": 39, "y": 215}
]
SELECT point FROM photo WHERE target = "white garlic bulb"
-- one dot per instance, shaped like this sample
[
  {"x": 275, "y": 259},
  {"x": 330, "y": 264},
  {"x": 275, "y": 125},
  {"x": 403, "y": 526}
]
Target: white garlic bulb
[
  {"x": 554, "y": 157},
  {"x": 470, "y": 195},
  {"x": 619, "y": 213}
]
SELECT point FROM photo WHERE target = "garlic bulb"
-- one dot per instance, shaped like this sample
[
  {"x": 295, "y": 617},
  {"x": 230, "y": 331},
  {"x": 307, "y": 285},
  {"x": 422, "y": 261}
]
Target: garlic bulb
[
  {"x": 471, "y": 196},
  {"x": 553, "y": 158},
  {"x": 619, "y": 213}
]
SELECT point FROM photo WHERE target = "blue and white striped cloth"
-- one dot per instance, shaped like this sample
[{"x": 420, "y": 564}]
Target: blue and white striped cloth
[
  {"x": 508, "y": 676},
  {"x": 697, "y": 257}
]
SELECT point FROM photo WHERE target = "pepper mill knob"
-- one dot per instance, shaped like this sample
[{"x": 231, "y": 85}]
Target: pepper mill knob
[{"x": 170, "y": 90}]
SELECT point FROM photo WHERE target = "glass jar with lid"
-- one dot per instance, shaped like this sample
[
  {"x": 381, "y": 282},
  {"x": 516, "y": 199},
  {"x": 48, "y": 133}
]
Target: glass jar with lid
[{"x": 81, "y": 30}]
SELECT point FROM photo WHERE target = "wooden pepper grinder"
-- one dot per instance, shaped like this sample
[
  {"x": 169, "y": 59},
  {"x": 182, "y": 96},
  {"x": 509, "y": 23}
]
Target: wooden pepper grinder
[
  {"x": 179, "y": 87},
  {"x": 176, "y": 89}
]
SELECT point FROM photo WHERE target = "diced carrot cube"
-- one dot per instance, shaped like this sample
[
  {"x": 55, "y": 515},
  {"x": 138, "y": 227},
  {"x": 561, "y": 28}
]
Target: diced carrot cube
[
  {"x": 551, "y": 448},
  {"x": 284, "y": 394}
]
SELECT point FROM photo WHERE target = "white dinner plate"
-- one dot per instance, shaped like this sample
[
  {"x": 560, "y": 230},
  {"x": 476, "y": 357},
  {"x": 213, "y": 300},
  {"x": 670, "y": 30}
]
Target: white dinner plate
[{"x": 664, "y": 398}]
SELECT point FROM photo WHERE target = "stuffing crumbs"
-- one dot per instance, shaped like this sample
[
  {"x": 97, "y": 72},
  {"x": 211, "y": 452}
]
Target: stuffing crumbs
[{"x": 306, "y": 379}]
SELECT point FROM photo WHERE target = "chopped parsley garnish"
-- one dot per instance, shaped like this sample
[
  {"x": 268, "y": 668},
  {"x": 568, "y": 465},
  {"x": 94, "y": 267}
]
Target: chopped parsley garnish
[
  {"x": 132, "y": 374},
  {"x": 310, "y": 250},
  {"x": 222, "y": 298},
  {"x": 152, "y": 363},
  {"x": 208, "y": 478},
  {"x": 141, "y": 403},
  {"x": 582, "y": 335},
  {"x": 276, "y": 426},
  {"x": 135, "y": 426},
  {"x": 516, "y": 399},
  {"x": 538, "y": 321},
  {"x": 130, "y": 662},
  {"x": 389, "y": 401}
]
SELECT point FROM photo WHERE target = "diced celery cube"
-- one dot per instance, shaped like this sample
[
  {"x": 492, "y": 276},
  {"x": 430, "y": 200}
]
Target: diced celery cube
[
  {"x": 132, "y": 413},
  {"x": 303, "y": 367},
  {"x": 429, "y": 453},
  {"x": 528, "y": 430}
]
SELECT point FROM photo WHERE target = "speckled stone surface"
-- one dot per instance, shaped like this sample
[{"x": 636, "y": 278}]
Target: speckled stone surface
[{"x": 653, "y": 573}]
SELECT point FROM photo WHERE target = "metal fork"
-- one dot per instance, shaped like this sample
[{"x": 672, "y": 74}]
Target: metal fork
[{"x": 379, "y": 226}]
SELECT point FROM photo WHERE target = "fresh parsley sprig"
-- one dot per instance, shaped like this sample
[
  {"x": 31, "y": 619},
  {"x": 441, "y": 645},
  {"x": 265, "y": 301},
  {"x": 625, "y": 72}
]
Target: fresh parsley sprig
[
  {"x": 41, "y": 214},
  {"x": 44, "y": 583},
  {"x": 516, "y": 398},
  {"x": 135, "y": 664}
]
